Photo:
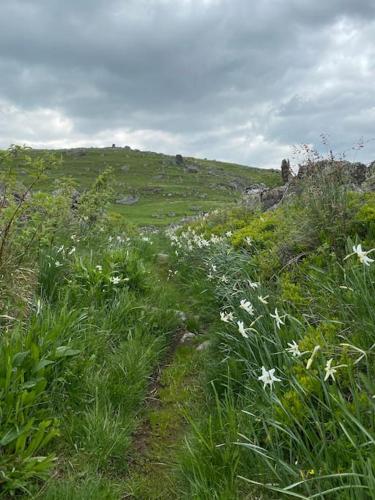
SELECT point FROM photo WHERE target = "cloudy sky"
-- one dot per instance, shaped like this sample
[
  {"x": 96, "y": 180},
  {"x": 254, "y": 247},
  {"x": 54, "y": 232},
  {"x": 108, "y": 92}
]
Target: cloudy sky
[{"x": 237, "y": 80}]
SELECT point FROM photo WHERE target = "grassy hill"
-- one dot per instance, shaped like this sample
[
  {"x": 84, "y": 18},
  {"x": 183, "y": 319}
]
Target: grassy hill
[{"x": 166, "y": 191}]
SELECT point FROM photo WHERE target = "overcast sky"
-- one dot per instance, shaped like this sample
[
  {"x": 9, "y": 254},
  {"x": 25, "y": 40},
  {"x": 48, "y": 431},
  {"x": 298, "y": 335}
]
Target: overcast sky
[{"x": 236, "y": 80}]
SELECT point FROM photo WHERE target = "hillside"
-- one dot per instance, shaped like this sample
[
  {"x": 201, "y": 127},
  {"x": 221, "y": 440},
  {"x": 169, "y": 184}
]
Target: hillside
[
  {"x": 153, "y": 189},
  {"x": 230, "y": 357}
]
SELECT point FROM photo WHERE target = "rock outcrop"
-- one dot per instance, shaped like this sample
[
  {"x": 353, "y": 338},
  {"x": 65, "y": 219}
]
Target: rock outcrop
[{"x": 357, "y": 176}]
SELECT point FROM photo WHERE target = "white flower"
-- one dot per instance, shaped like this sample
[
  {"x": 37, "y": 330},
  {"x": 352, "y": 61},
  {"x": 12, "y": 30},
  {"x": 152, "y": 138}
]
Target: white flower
[
  {"x": 331, "y": 370},
  {"x": 99, "y": 268},
  {"x": 72, "y": 250},
  {"x": 228, "y": 234},
  {"x": 224, "y": 279},
  {"x": 58, "y": 263},
  {"x": 294, "y": 349},
  {"x": 263, "y": 300},
  {"x": 246, "y": 306},
  {"x": 60, "y": 249},
  {"x": 311, "y": 359},
  {"x": 115, "y": 280},
  {"x": 268, "y": 377},
  {"x": 226, "y": 317},
  {"x": 279, "y": 319},
  {"x": 242, "y": 329},
  {"x": 253, "y": 285},
  {"x": 110, "y": 238},
  {"x": 248, "y": 241},
  {"x": 362, "y": 255},
  {"x": 145, "y": 238},
  {"x": 214, "y": 268}
]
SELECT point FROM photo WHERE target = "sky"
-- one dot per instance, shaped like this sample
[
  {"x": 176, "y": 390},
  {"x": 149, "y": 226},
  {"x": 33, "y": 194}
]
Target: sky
[{"x": 233, "y": 80}]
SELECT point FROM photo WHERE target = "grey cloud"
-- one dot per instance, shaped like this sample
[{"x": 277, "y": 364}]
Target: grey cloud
[{"x": 220, "y": 78}]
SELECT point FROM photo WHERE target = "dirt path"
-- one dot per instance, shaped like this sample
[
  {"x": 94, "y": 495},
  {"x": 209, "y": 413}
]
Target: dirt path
[{"x": 175, "y": 390}]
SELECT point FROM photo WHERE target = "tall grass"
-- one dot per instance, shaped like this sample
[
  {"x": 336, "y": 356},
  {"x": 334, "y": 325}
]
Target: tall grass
[{"x": 310, "y": 433}]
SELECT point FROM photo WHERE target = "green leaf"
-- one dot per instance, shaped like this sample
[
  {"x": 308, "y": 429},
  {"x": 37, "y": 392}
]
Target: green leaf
[
  {"x": 19, "y": 358},
  {"x": 64, "y": 351}
]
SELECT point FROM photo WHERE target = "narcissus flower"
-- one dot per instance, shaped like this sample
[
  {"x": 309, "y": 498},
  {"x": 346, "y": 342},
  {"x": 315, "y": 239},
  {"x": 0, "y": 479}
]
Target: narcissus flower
[
  {"x": 361, "y": 254},
  {"x": 279, "y": 319},
  {"x": 294, "y": 349},
  {"x": 242, "y": 329},
  {"x": 311, "y": 359},
  {"x": 246, "y": 306},
  {"x": 115, "y": 280},
  {"x": 331, "y": 370},
  {"x": 226, "y": 317},
  {"x": 268, "y": 377},
  {"x": 263, "y": 300}
]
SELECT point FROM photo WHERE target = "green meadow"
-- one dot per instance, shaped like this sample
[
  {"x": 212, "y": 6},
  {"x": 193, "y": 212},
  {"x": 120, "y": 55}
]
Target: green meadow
[{"x": 166, "y": 191}]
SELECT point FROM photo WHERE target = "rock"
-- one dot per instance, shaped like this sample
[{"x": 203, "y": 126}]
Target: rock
[
  {"x": 181, "y": 316},
  {"x": 179, "y": 160},
  {"x": 271, "y": 197},
  {"x": 191, "y": 169},
  {"x": 204, "y": 345},
  {"x": 286, "y": 171},
  {"x": 187, "y": 336},
  {"x": 255, "y": 189},
  {"x": 128, "y": 200},
  {"x": 236, "y": 185},
  {"x": 344, "y": 171}
]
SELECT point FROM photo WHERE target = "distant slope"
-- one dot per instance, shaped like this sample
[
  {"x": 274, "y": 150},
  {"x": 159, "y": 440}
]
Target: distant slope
[{"x": 166, "y": 191}]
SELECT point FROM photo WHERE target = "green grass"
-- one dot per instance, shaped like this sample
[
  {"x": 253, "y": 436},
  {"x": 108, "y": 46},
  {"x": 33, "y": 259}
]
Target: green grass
[{"x": 167, "y": 192}]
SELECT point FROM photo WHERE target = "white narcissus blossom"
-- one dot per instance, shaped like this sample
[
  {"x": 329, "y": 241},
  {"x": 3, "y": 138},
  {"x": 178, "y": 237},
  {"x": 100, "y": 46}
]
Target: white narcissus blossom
[
  {"x": 268, "y": 377},
  {"x": 99, "y": 268},
  {"x": 226, "y": 317},
  {"x": 361, "y": 254},
  {"x": 246, "y": 306},
  {"x": 294, "y": 349},
  {"x": 279, "y": 319},
  {"x": 115, "y": 280},
  {"x": 311, "y": 359},
  {"x": 72, "y": 250},
  {"x": 224, "y": 279},
  {"x": 248, "y": 240},
  {"x": 331, "y": 370},
  {"x": 228, "y": 234},
  {"x": 242, "y": 329},
  {"x": 58, "y": 263},
  {"x": 253, "y": 285},
  {"x": 263, "y": 300}
]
